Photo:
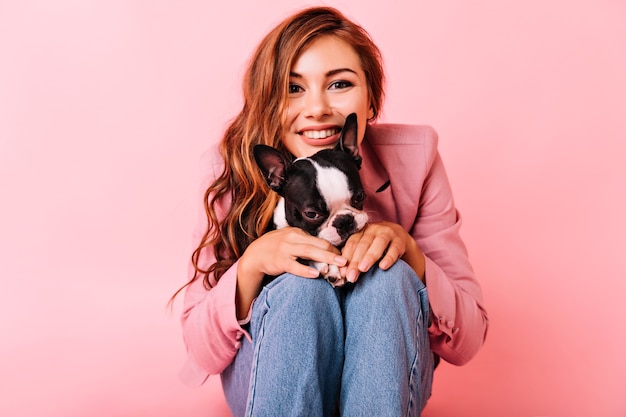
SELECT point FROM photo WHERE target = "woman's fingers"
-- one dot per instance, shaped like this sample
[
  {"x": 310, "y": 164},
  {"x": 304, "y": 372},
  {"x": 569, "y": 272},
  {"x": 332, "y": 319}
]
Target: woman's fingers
[
  {"x": 379, "y": 242},
  {"x": 278, "y": 252}
]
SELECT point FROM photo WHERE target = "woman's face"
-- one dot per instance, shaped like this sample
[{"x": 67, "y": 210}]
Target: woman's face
[{"x": 326, "y": 84}]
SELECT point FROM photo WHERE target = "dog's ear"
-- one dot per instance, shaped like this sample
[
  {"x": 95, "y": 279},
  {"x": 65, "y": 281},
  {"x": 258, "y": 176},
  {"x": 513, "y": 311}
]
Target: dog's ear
[
  {"x": 348, "y": 141},
  {"x": 273, "y": 165}
]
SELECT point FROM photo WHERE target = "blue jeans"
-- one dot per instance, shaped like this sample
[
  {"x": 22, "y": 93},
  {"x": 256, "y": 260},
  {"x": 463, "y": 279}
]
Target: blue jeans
[{"x": 363, "y": 349}]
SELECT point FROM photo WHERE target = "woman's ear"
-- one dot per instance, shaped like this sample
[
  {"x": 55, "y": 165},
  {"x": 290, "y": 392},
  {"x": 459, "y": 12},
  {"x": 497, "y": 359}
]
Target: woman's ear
[{"x": 370, "y": 113}]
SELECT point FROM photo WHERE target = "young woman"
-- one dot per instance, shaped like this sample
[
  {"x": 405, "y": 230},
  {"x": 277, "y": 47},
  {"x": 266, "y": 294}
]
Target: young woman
[{"x": 284, "y": 341}]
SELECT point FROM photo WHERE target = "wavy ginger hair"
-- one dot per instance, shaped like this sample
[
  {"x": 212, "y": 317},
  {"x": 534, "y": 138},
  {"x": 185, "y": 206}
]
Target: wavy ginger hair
[{"x": 265, "y": 93}]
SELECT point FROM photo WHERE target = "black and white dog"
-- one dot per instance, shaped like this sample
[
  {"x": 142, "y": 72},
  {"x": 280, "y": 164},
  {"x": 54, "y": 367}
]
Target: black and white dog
[{"x": 321, "y": 194}]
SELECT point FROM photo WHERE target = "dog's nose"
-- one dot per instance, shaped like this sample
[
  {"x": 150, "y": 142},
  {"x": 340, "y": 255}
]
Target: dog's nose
[{"x": 344, "y": 224}]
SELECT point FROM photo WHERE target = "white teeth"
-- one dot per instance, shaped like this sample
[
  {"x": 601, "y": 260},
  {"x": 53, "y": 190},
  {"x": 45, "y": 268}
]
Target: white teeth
[{"x": 320, "y": 134}]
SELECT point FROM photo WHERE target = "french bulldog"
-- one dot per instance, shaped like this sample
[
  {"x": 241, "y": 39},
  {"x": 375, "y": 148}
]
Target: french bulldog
[{"x": 321, "y": 194}]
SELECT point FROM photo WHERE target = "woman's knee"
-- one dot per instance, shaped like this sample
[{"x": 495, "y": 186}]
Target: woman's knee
[
  {"x": 399, "y": 278},
  {"x": 301, "y": 292},
  {"x": 304, "y": 313},
  {"x": 390, "y": 292}
]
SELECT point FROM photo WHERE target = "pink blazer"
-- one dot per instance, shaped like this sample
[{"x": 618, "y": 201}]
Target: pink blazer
[{"x": 406, "y": 183}]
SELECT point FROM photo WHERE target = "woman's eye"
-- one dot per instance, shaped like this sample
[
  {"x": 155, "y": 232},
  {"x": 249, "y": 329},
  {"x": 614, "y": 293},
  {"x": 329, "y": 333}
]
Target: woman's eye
[
  {"x": 294, "y": 89},
  {"x": 339, "y": 85}
]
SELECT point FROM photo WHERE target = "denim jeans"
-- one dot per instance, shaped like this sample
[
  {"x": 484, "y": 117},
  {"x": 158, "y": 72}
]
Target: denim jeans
[{"x": 363, "y": 349}]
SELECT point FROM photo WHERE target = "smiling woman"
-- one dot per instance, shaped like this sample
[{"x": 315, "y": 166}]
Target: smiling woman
[
  {"x": 108, "y": 108},
  {"x": 258, "y": 316},
  {"x": 326, "y": 84}
]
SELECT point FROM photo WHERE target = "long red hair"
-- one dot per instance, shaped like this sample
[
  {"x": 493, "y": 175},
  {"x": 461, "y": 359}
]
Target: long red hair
[{"x": 265, "y": 89}]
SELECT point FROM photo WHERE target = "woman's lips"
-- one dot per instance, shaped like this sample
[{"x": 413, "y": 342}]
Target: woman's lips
[{"x": 320, "y": 137}]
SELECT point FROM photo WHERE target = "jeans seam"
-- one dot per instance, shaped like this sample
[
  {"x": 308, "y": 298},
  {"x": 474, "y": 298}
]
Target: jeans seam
[
  {"x": 255, "y": 359},
  {"x": 413, "y": 380}
]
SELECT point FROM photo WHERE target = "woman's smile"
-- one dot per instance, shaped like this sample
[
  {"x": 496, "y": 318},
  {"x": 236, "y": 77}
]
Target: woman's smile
[{"x": 320, "y": 137}]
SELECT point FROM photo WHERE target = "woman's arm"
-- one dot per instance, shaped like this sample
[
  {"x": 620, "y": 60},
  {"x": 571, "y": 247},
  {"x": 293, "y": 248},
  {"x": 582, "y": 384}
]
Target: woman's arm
[
  {"x": 459, "y": 319},
  {"x": 419, "y": 203}
]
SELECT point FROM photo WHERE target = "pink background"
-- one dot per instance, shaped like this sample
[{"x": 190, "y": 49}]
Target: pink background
[{"x": 107, "y": 106}]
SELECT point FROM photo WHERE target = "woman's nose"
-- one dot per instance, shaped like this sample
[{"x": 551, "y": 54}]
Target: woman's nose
[{"x": 317, "y": 105}]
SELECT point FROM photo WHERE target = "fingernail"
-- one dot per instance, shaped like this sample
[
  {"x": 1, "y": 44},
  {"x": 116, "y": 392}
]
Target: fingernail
[
  {"x": 340, "y": 260},
  {"x": 364, "y": 266},
  {"x": 351, "y": 276}
]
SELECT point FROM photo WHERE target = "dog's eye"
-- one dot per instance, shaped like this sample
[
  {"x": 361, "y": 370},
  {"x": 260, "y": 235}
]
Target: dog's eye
[
  {"x": 358, "y": 198},
  {"x": 311, "y": 215}
]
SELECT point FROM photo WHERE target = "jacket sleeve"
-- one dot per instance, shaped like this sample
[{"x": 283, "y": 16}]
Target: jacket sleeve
[
  {"x": 458, "y": 318},
  {"x": 211, "y": 332}
]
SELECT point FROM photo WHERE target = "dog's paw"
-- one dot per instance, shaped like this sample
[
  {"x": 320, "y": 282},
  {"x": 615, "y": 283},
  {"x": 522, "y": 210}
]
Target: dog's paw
[
  {"x": 321, "y": 267},
  {"x": 333, "y": 276},
  {"x": 330, "y": 273}
]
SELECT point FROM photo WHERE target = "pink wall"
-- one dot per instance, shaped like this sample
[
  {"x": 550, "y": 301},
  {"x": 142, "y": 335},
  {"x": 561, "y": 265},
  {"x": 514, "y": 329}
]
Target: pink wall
[{"x": 106, "y": 108}]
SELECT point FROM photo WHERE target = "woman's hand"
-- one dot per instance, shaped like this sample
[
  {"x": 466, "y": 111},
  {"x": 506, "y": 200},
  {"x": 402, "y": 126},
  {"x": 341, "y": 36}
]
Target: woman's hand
[
  {"x": 382, "y": 242},
  {"x": 275, "y": 253},
  {"x": 278, "y": 251}
]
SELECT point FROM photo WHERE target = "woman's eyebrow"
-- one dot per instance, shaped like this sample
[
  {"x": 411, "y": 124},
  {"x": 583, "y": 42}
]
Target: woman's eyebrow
[
  {"x": 328, "y": 74},
  {"x": 339, "y": 70}
]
